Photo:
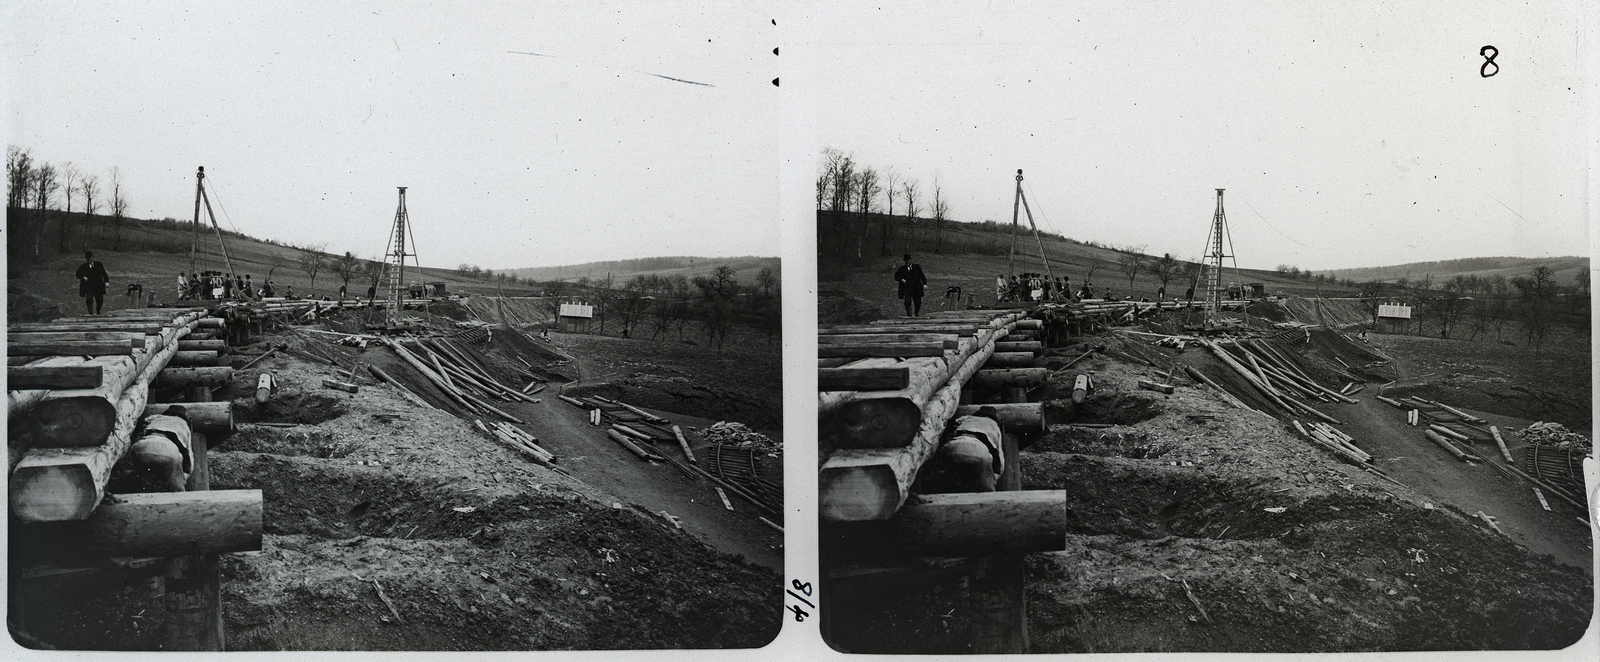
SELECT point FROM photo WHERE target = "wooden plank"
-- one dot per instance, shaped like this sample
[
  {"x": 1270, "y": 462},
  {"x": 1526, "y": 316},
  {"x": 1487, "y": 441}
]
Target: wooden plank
[
  {"x": 959, "y": 329},
  {"x": 947, "y": 340},
  {"x": 892, "y": 350},
  {"x": 136, "y": 338},
  {"x": 16, "y": 347},
  {"x": 53, "y": 377},
  {"x": 102, "y": 325},
  {"x": 863, "y": 379}
]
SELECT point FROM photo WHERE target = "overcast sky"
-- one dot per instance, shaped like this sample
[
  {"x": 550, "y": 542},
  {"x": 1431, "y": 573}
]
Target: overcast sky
[
  {"x": 307, "y": 115},
  {"x": 1355, "y": 135}
]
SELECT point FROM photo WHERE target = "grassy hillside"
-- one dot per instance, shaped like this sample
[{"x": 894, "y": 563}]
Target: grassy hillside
[
  {"x": 746, "y": 268},
  {"x": 153, "y": 252},
  {"x": 972, "y": 254},
  {"x": 1565, "y": 267}
]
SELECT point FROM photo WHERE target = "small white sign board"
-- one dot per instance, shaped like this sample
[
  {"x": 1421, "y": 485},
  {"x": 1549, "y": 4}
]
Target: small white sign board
[
  {"x": 577, "y": 310},
  {"x": 1395, "y": 311}
]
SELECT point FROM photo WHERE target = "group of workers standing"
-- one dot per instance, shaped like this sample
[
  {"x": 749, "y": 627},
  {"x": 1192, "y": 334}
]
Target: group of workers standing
[
  {"x": 215, "y": 285},
  {"x": 1039, "y": 287}
]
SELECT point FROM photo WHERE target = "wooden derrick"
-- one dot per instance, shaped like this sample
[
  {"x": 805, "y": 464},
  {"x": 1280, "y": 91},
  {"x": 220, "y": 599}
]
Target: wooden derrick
[
  {"x": 1023, "y": 418},
  {"x": 1003, "y": 378},
  {"x": 1010, "y": 360},
  {"x": 156, "y": 524},
  {"x": 953, "y": 525},
  {"x": 210, "y": 377}
]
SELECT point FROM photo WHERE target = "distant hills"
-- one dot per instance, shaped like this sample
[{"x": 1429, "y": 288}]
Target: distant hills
[
  {"x": 745, "y": 268},
  {"x": 1565, "y": 268}
]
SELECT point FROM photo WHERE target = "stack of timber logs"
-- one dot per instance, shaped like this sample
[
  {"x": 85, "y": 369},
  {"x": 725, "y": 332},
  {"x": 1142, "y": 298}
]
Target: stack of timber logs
[
  {"x": 882, "y": 431},
  {"x": 76, "y": 413}
]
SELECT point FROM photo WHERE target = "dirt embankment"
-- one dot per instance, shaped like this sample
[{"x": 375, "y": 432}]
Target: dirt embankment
[
  {"x": 372, "y": 500},
  {"x": 1197, "y": 526}
]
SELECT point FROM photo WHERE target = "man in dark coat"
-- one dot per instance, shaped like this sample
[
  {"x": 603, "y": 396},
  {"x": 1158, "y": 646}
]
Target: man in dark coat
[
  {"x": 92, "y": 281},
  {"x": 911, "y": 281}
]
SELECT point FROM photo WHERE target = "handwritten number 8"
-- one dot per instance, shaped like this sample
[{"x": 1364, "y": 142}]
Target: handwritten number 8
[{"x": 1488, "y": 53}]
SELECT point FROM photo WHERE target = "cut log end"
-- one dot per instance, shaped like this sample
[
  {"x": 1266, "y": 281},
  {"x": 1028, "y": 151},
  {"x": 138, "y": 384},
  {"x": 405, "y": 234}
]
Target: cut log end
[
  {"x": 860, "y": 493},
  {"x": 53, "y": 493}
]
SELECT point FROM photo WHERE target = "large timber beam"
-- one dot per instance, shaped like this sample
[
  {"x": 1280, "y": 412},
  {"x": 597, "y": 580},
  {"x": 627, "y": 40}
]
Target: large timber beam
[
  {"x": 213, "y": 377},
  {"x": 1033, "y": 346},
  {"x": 85, "y": 417},
  {"x": 1003, "y": 378},
  {"x": 71, "y": 336},
  {"x": 1024, "y": 418},
  {"x": 207, "y": 417},
  {"x": 946, "y": 340},
  {"x": 890, "y": 350},
  {"x": 958, "y": 328},
  {"x": 52, "y": 377},
  {"x": 157, "y": 524},
  {"x": 1010, "y": 360},
  {"x": 947, "y": 525},
  {"x": 874, "y": 378}
]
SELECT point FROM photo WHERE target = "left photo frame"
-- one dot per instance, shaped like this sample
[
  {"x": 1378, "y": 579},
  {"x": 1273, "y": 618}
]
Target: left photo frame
[{"x": 360, "y": 327}]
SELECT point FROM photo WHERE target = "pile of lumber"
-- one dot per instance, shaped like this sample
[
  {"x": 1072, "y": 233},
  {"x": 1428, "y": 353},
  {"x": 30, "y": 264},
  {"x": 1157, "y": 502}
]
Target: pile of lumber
[
  {"x": 1276, "y": 377},
  {"x": 882, "y": 413},
  {"x": 74, "y": 411},
  {"x": 463, "y": 380}
]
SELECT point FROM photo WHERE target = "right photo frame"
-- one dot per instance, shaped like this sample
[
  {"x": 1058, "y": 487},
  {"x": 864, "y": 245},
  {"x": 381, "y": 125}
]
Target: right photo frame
[{"x": 1172, "y": 328}]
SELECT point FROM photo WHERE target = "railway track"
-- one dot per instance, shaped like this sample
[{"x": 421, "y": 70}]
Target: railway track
[
  {"x": 1555, "y": 466},
  {"x": 741, "y": 467}
]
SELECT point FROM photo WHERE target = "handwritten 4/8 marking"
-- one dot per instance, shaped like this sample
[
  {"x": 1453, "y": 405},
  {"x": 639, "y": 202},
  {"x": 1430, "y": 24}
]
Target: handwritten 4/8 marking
[
  {"x": 1488, "y": 60},
  {"x": 803, "y": 587}
]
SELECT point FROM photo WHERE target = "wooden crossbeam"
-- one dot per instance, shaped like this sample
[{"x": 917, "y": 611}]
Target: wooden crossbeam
[
  {"x": 53, "y": 377},
  {"x": 960, "y": 329},
  {"x": 947, "y": 340},
  {"x": 864, "y": 350},
  {"x": 863, "y": 379},
  {"x": 134, "y": 337},
  {"x": 157, "y": 524},
  {"x": 948, "y": 525}
]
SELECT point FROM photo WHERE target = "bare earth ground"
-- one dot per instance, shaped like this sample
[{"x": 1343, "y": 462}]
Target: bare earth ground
[
  {"x": 1284, "y": 547},
  {"x": 476, "y": 547}
]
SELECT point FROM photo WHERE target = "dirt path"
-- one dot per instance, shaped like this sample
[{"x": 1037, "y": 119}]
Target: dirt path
[
  {"x": 592, "y": 457},
  {"x": 1401, "y": 451}
]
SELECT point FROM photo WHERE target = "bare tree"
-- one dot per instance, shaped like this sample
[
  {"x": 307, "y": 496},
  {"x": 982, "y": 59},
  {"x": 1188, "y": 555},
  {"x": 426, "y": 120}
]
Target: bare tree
[
  {"x": 940, "y": 210},
  {"x": 119, "y": 207},
  {"x": 345, "y": 267},
  {"x": 45, "y": 185},
  {"x": 1165, "y": 268},
  {"x": 909, "y": 191},
  {"x": 312, "y": 263},
  {"x": 891, "y": 184},
  {"x": 1130, "y": 264},
  {"x": 767, "y": 280},
  {"x": 274, "y": 263},
  {"x": 90, "y": 187},
  {"x": 19, "y": 176},
  {"x": 866, "y": 191}
]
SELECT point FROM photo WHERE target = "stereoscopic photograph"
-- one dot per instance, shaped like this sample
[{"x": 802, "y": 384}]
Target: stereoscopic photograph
[
  {"x": 371, "y": 326},
  {"x": 1205, "y": 327}
]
